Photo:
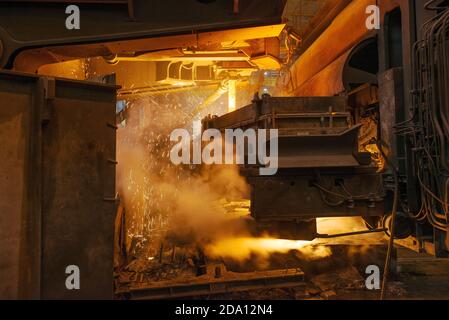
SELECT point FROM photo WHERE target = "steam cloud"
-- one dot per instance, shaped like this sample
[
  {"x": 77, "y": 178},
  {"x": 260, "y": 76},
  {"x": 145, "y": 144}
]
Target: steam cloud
[{"x": 163, "y": 200}]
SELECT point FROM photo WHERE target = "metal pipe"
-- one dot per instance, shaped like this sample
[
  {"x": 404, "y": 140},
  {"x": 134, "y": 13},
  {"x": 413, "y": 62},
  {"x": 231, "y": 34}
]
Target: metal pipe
[{"x": 345, "y": 234}]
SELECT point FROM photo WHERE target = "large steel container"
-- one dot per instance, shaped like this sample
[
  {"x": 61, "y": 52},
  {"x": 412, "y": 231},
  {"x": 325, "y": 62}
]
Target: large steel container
[{"x": 57, "y": 186}]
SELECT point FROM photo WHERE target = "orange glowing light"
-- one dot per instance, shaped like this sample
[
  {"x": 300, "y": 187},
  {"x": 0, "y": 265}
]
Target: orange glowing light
[
  {"x": 231, "y": 95},
  {"x": 240, "y": 248}
]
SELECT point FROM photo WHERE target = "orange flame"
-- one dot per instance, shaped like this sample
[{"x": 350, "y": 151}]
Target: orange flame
[{"x": 242, "y": 248}]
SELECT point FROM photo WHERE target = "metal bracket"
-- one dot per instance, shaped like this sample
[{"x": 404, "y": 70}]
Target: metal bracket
[{"x": 49, "y": 87}]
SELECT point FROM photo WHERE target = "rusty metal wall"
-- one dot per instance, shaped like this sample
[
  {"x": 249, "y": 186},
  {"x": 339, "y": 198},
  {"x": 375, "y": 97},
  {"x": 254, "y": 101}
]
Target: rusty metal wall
[
  {"x": 14, "y": 145},
  {"x": 57, "y": 208}
]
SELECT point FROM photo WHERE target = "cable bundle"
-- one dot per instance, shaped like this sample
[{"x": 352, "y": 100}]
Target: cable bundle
[{"x": 428, "y": 129}]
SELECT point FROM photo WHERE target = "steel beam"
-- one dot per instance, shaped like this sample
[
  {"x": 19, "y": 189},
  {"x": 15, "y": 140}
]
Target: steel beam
[{"x": 231, "y": 282}]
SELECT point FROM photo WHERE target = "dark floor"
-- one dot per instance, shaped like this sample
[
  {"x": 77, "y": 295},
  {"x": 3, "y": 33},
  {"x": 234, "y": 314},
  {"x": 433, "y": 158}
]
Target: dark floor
[
  {"x": 418, "y": 277},
  {"x": 423, "y": 276}
]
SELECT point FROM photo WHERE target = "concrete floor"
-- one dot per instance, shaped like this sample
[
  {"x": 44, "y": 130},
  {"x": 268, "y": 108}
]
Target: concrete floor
[
  {"x": 418, "y": 277},
  {"x": 423, "y": 276}
]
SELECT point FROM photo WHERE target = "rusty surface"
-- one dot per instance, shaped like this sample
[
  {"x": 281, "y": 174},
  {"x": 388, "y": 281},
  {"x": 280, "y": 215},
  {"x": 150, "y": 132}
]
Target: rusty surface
[
  {"x": 350, "y": 27},
  {"x": 321, "y": 173},
  {"x": 290, "y": 275},
  {"x": 327, "y": 82},
  {"x": 293, "y": 197},
  {"x": 31, "y": 59},
  {"x": 57, "y": 181},
  {"x": 151, "y": 28},
  {"x": 227, "y": 282},
  {"x": 15, "y": 135}
]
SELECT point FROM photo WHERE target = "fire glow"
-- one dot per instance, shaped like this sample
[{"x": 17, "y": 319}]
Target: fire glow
[{"x": 243, "y": 247}]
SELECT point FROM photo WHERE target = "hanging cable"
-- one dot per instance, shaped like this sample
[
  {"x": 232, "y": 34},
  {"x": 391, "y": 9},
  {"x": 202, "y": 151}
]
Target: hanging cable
[{"x": 393, "y": 218}]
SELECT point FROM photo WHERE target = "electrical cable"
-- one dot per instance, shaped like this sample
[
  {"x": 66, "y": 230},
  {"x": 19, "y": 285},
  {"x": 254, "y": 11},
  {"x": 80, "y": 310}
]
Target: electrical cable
[{"x": 393, "y": 215}]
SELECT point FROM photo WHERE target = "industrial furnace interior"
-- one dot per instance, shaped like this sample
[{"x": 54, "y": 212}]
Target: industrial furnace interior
[{"x": 204, "y": 150}]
